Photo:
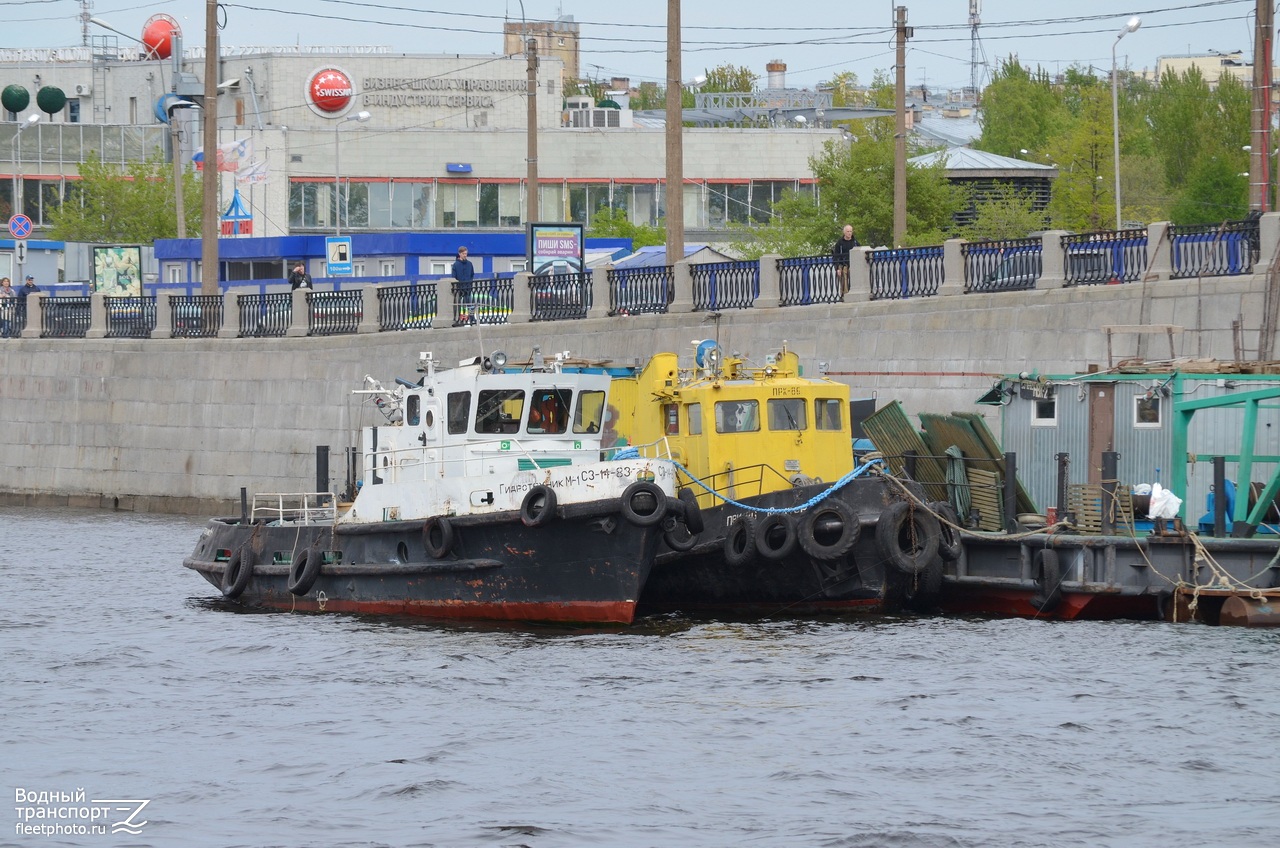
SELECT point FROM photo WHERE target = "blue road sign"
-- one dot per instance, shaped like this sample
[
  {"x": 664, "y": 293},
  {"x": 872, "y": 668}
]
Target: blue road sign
[
  {"x": 20, "y": 226},
  {"x": 338, "y": 256}
]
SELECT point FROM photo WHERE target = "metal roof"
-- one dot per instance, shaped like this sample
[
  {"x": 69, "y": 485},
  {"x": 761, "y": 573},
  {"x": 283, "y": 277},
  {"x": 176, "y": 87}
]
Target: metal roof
[{"x": 968, "y": 159}]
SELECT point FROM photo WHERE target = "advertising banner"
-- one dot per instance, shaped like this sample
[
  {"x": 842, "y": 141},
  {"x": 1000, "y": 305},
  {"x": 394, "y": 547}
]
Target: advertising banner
[
  {"x": 556, "y": 249},
  {"x": 117, "y": 271}
]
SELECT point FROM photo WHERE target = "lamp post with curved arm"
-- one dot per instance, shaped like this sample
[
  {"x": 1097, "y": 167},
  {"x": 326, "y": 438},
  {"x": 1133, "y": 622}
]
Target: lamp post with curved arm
[
  {"x": 17, "y": 163},
  {"x": 361, "y": 117},
  {"x": 1132, "y": 25}
]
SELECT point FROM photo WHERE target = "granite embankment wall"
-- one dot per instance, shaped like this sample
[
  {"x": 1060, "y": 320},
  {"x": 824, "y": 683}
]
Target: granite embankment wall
[{"x": 172, "y": 425}]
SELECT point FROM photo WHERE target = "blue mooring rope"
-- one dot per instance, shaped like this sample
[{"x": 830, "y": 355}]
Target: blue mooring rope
[{"x": 634, "y": 453}]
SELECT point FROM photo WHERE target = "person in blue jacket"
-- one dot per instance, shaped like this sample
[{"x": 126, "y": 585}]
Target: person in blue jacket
[{"x": 464, "y": 272}]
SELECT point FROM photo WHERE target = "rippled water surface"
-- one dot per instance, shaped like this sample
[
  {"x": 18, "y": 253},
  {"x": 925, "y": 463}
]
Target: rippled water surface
[{"x": 125, "y": 676}]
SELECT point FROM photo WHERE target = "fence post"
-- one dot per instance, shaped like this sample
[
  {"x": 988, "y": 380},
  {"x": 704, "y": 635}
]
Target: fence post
[
  {"x": 445, "y": 302},
  {"x": 683, "y": 283},
  {"x": 164, "y": 316},
  {"x": 952, "y": 268},
  {"x": 859, "y": 276},
  {"x": 230, "y": 328},
  {"x": 599, "y": 292},
  {"x": 1053, "y": 265},
  {"x": 35, "y": 308},
  {"x": 370, "y": 317},
  {"x": 1268, "y": 238},
  {"x": 298, "y": 319},
  {"x": 97, "y": 316},
  {"x": 770, "y": 281},
  {"x": 1159, "y": 251},
  {"x": 521, "y": 306}
]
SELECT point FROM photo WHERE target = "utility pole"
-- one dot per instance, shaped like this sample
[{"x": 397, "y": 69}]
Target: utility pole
[
  {"x": 209, "y": 181},
  {"x": 900, "y": 129},
  {"x": 1260, "y": 120},
  {"x": 531, "y": 179},
  {"x": 675, "y": 139}
]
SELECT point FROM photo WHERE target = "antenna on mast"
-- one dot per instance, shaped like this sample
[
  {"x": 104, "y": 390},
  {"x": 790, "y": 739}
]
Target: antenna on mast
[{"x": 975, "y": 45}]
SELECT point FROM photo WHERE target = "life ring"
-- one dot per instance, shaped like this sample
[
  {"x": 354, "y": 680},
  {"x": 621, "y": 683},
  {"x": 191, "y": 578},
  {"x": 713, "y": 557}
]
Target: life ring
[
  {"x": 237, "y": 573},
  {"x": 692, "y": 512},
  {"x": 437, "y": 536},
  {"x": 643, "y": 503},
  {"x": 739, "y": 541},
  {"x": 907, "y": 537},
  {"x": 815, "y": 526},
  {"x": 949, "y": 545},
  {"x": 775, "y": 536},
  {"x": 1047, "y": 573},
  {"x": 304, "y": 570},
  {"x": 538, "y": 506}
]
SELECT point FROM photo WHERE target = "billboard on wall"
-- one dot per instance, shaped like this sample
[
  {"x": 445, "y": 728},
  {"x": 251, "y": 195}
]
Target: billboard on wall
[
  {"x": 556, "y": 249},
  {"x": 117, "y": 271}
]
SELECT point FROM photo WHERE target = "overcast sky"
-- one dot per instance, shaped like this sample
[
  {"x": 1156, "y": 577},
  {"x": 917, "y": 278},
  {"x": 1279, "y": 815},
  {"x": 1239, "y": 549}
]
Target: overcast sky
[{"x": 815, "y": 38}]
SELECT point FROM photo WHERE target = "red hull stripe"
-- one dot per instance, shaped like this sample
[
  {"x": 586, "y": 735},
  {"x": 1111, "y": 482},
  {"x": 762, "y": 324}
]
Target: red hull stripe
[{"x": 568, "y": 612}]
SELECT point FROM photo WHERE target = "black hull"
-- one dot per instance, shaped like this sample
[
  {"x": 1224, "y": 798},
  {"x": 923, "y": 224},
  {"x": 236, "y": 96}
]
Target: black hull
[
  {"x": 583, "y": 570},
  {"x": 860, "y": 581}
]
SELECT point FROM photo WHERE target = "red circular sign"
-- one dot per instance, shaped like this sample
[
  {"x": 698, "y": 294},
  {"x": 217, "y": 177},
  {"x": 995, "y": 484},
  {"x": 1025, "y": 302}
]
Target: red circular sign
[{"x": 330, "y": 90}]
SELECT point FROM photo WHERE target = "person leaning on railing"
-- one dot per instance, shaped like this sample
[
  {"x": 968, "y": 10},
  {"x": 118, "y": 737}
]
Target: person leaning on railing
[
  {"x": 840, "y": 254},
  {"x": 8, "y": 307}
]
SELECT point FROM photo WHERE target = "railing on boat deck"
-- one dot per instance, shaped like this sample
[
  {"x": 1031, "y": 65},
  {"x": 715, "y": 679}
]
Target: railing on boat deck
[
  {"x": 304, "y": 507},
  {"x": 393, "y": 466}
]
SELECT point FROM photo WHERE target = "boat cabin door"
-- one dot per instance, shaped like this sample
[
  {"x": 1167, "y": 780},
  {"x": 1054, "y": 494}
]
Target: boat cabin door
[{"x": 1102, "y": 424}]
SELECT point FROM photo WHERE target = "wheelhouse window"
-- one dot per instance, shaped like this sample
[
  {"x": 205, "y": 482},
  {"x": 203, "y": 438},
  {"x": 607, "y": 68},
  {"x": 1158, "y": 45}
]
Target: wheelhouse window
[
  {"x": 1044, "y": 412},
  {"x": 671, "y": 418},
  {"x": 1146, "y": 412},
  {"x": 737, "y": 416},
  {"x": 590, "y": 412},
  {"x": 827, "y": 413},
  {"x": 413, "y": 409},
  {"x": 459, "y": 406},
  {"x": 549, "y": 411},
  {"x": 695, "y": 419},
  {"x": 786, "y": 414},
  {"x": 499, "y": 411}
]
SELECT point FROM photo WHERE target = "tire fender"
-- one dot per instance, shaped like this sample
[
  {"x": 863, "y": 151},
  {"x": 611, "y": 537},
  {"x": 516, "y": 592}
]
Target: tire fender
[
  {"x": 437, "y": 536},
  {"x": 775, "y": 536},
  {"x": 538, "y": 507},
  {"x": 907, "y": 537},
  {"x": 643, "y": 503},
  {"x": 1048, "y": 576},
  {"x": 739, "y": 541},
  {"x": 304, "y": 570},
  {"x": 692, "y": 512},
  {"x": 825, "y": 511},
  {"x": 949, "y": 545},
  {"x": 237, "y": 573}
]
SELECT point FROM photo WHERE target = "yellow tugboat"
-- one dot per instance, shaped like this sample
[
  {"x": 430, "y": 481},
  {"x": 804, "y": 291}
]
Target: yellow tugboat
[{"x": 784, "y": 520}]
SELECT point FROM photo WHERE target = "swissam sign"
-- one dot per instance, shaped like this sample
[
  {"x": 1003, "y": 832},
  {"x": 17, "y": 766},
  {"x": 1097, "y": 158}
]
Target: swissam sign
[{"x": 330, "y": 92}]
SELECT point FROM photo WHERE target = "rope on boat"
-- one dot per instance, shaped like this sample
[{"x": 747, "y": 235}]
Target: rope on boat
[{"x": 866, "y": 467}]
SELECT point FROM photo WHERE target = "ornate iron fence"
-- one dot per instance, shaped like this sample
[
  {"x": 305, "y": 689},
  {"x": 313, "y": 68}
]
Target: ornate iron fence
[
  {"x": 811, "y": 279},
  {"x": 725, "y": 285},
  {"x": 483, "y": 301},
  {"x": 905, "y": 272},
  {"x": 554, "y": 297},
  {"x": 265, "y": 315},
  {"x": 634, "y": 291},
  {"x": 411, "y": 307},
  {"x": 334, "y": 313},
  {"x": 1002, "y": 265},
  {"x": 64, "y": 317},
  {"x": 1114, "y": 256},
  {"x": 130, "y": 317},
  {"x": 1221, "y": 250},
  {"x": 196, "y": 316}
]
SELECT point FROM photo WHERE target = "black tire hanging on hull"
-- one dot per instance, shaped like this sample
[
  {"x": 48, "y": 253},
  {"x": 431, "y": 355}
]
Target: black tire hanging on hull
[
  {"x": 907, "y": 537},
  {"x": 304, "y": 570},
  {"x": 814, "y": 526},
  {"x": 237, "y": 573}
]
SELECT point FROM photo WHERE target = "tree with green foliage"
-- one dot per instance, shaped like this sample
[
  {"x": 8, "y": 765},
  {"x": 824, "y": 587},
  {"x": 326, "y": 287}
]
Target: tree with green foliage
[
  {"x": 614, "y": 223},
  {"x": 1083, "y": 194},
  {"x": 729, "y": 78},
  {"x": 1005, "y": 213},
  {"x": 1213, "y": 192},
  {"x": 844, "y": 89},
  {"x": 110, "y": 204},
  {"x": 1020, "y": 110}
]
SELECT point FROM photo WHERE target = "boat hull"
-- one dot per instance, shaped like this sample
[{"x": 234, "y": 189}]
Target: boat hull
[
  {"x": 860, "y": 581},
  {"x": 580, "y": 570}
]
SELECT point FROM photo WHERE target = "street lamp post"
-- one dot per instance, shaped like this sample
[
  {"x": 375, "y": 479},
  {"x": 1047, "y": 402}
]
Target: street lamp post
[
  {"x": 337, "y": 170},
  {"x": 1132, "y": 25},
  {"x": 17, "y": 163},
  {"x": 175, "y": 144}
]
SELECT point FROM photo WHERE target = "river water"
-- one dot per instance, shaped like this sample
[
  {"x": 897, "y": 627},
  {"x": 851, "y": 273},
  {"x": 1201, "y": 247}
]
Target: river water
[{"x": 126, "y": 678}]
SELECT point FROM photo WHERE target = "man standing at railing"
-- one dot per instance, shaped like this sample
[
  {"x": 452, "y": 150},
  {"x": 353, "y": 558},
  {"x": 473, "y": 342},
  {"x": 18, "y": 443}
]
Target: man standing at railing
[
  {"x": 840, "y": 254},
  {"x": 463, "y": 273},
  {"x": 299, "y": 279}
]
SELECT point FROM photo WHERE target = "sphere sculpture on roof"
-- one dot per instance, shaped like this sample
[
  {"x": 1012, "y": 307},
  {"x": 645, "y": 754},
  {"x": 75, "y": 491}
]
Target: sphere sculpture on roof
[
  {"x": 158, "y": 34},
  {"x": 15, "y": 98}
]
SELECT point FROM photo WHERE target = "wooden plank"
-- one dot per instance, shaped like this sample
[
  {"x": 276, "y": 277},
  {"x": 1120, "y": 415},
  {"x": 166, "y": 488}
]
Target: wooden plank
[{"x": 891, "y": 432}]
